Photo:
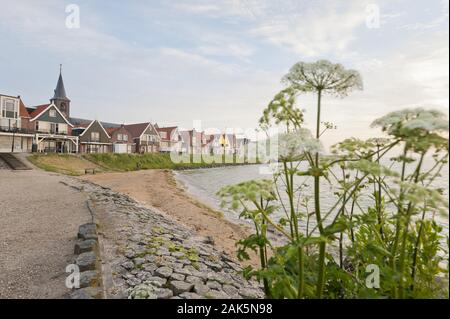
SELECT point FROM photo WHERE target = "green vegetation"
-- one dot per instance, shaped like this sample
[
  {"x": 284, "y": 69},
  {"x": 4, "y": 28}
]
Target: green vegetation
[
  {"x": 73, "y": 165},
  {"x": 380, "y": 239},
  {"x": 132, "y": 162}
]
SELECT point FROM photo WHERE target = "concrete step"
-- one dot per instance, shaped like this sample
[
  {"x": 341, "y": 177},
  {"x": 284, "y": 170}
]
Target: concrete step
[{"x": 12, "y": 161}]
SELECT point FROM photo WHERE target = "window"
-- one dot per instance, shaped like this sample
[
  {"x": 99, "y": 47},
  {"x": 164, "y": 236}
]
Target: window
[
  {"x": 53, "y": 128},
  {"x": 122, "y": 137},
  {"x": 10, "y": 109},
  {"x": 52, "y": 113},
  {"x": 163, "y": 134},
  {"x": 95, "y": 137},
  {"x": 37, "y": 126}
]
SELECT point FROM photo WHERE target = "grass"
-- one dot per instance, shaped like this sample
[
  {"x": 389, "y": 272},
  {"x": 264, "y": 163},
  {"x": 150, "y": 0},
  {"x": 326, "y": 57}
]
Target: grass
[
  {"x": 132, "y": 162},
  {"x": 73, "y": 165}
]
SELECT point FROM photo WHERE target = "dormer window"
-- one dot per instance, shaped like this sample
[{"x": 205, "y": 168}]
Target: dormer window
[
  {"x": 122, "y": 137},
  {"x": 52, "y": 113}
]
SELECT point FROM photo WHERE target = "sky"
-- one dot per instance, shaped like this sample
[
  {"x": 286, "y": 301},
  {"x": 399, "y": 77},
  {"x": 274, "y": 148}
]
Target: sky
[{"x": 221, "y": 62}]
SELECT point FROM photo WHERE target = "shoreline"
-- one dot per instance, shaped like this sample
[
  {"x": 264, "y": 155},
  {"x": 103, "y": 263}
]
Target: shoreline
[{"x": 160, "y": 190}]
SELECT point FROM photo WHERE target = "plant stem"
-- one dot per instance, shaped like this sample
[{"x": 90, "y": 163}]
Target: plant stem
[
  {"x": 322, "y": 247},
  {"x": 398, "y": 225},
  {"x": 291, "y": 204},
  {"x": 402, "y": 260},
  {"x": 301, "y": 274},
  {"x": 416, "y": 249},
  {"x": 378, "y": 198}
]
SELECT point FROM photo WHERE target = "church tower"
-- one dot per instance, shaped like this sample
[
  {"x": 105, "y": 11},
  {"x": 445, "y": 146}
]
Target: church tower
[{"x": 60, "y": 98}]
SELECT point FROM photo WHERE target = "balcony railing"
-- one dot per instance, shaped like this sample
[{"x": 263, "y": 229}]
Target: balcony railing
[
  {"x": 53, "y": 132},
  {"x": 11, "y": 129}
]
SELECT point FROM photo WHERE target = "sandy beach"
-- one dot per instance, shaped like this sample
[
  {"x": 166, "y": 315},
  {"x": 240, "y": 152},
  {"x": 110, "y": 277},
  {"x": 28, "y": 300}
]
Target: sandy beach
[{"x": 159, "y": 190}]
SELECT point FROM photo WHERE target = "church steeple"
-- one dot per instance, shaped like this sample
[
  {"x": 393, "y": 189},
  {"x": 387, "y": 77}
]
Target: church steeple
[{"x": 60, "y": 98}]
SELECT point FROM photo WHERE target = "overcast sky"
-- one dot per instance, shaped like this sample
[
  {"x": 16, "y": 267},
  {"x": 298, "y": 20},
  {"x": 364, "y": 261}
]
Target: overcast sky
[{"x": 221, "y": 61}]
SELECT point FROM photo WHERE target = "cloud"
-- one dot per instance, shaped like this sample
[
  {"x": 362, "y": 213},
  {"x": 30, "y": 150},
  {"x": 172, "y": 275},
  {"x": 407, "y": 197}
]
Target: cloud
[{"x": 222, "y": 61}]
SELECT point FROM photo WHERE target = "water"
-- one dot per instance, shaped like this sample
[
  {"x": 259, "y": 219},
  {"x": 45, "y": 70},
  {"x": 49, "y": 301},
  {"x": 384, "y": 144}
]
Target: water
[{"x": 204, "y": 184}]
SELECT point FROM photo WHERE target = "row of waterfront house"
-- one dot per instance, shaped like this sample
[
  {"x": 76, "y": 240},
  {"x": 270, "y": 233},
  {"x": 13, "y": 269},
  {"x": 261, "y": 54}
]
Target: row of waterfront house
[{"x": 50, "y": 128}]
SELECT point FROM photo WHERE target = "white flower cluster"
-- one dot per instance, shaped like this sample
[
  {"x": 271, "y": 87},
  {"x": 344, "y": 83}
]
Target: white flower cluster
[
  {"x": 412, "y": 119},
  {"x": 295, "y": 144}
]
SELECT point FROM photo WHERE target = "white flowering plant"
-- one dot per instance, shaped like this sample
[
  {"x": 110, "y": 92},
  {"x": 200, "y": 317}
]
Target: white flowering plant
[{"x": 385, "y": 205}]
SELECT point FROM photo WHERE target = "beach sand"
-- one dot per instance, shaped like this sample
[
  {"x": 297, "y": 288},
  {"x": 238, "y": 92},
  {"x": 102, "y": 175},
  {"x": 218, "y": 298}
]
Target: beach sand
[{"x": 158, "y": 189}]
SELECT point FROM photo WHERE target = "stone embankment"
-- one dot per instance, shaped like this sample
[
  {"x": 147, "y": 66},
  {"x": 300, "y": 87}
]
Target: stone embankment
[
  {"x": 88, "y": 262},
  {"x": 145, "y": 254}
]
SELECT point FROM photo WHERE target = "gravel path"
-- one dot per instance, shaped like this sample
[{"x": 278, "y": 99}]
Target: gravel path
[{"x": 39, "y": 219}]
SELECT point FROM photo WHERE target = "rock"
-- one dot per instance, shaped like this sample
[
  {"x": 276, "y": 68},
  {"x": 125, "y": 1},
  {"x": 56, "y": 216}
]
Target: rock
[
  {"x": 128, "y": 265},
  {"x": 190, "y": 295},
  {"x": 136, "y": 238},
  {"x": 221, "y": 278},
  {"x": 184, "y": 271},
  {"x": 216, "y": 294},
  {"x": 164, "y": 293},
  {"x": 156, "y": 281},
  {"x": 130, "y": 254},
  {"x": 85, "y": 246},
  {"x": 150, "y": 258},
  {"x": 162, "y": 252},
  {"x": 150, "y": 268},
  {"x": 177, "y": 254},
  {"x": 214, "y": 266},
  {"x": 194, "y": 280},
  {"x": 214, "y": 285},
  {"x": 248, "y": 293},
  {"x": 201, "y": 289},
  {"x": 163, "y": 272},
  {"x": 178, "y": 287},
  {"x": 230, "y": 290},
  {"x": 142, "y": 292},
  {"x": 139, "y": 261},
  {"x": 86, "y": 261},
  {"x": 87, "y": 231},
  {"x": 177, "y": 277},
  {"x": 132, "y": 282},
  {"x": 177, "y": 266},
  {"x": 89, "y": 279}
]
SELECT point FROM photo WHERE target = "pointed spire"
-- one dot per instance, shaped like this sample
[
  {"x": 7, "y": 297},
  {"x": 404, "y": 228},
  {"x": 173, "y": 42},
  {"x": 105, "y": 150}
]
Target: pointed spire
[{"x": 60, "y": 91}]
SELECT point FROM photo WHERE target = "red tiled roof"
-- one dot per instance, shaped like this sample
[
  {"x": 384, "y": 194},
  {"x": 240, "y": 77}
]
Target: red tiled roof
[
  {"x": 111, "y": 130},
  {"x": 23, "y": 110},
  {"x": 39, "y": 109},
  {"x": 167, "y": 130},
  {"x": 136, "y": 130}
]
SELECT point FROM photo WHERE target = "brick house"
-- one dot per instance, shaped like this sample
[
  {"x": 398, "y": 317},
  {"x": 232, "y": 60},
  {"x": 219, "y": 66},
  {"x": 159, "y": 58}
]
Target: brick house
[
  {"x": 121, "y": 139},
  {"x": 171, "y": 139},
  {"x": 16, "y": 134},
  {"x": 145, "y": 136},
  {"x": 93, "y": 139}
]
